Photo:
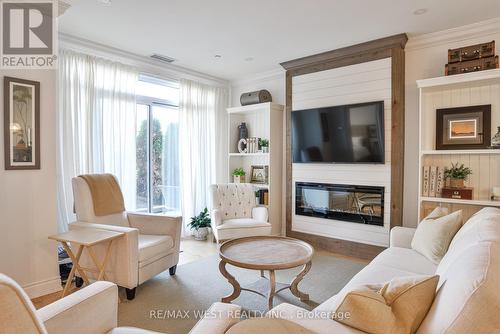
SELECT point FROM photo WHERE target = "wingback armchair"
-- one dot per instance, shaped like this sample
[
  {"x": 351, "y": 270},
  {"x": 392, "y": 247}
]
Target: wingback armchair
[
  {"x": 150, "y": 244},
  {"x": 234, "y": 213}
]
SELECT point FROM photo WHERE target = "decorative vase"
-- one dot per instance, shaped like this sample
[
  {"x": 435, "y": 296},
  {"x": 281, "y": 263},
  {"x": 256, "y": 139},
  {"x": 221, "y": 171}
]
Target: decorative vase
[
  {"x": 201, "y": 233},
  {"x": 265, "y": 149},
  {"x": 456, "y": 183},
  {"x": 239, "y": 178},
  {"x": 495, "y": 141},
  {"x": 242, "y": 133}
]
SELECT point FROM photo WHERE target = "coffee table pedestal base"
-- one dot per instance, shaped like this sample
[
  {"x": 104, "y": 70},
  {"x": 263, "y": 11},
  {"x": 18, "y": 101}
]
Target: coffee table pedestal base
[{"x": 265, "y": 287}]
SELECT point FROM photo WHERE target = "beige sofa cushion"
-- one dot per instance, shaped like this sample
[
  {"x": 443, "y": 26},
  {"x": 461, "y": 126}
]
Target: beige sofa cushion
[
  {"x": 398, "y": 306},
  {"x": 435, "y": 232},
  {"x": 382, "y": 269},
  {"x": 468, "y": 296}
]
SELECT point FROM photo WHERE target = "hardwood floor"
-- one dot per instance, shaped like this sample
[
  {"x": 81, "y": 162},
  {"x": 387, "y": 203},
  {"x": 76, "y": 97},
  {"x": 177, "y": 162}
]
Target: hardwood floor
[{"x": 191, "y": 250}]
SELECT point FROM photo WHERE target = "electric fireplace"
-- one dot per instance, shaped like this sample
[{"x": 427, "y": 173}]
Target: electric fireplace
[{"x": 351, "y": 203}]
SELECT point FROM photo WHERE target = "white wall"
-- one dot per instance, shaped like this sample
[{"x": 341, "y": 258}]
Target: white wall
[
  {"x": 28, "y": 201},
  {"x": 426, "y": 56}
]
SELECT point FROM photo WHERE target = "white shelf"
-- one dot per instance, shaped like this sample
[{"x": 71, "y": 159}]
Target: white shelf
[
  {"x": 488, "y": 75},
  {"x": 459, "y": 201},
  {"x": 444, "y": 152},
  {"x": 254, "y": 108},
  {"x": 260, "y": 185},
  {"x": 248, "y": 154}
]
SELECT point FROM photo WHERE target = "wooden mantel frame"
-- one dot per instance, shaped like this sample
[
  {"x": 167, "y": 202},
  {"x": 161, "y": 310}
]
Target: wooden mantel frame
[{"x": 388, "y": 47}]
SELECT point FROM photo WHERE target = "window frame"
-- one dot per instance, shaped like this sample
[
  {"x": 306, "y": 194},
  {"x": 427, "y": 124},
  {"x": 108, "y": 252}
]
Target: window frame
[{"x": 149, "y": 102}]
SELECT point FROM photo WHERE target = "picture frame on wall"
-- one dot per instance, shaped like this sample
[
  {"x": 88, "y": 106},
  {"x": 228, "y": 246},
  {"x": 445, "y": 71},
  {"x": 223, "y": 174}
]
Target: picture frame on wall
[
  {"x": 259, "y": 174},
  {"x": 463, "y": 128},
  {"x": 21, "y": 124}
]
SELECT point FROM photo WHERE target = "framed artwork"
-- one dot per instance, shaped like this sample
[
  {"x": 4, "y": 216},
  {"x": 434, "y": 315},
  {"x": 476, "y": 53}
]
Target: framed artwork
[
  {"x": 259, "y": 174},
  {"x": 21, "y": 123},
  {"x": 463, "y": 128}
]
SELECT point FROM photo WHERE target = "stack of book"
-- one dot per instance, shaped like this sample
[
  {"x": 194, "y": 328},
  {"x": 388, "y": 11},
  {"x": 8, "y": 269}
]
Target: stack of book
[
  {"x": 263, "y": 196},
  {"x": 433, "y": 181}
]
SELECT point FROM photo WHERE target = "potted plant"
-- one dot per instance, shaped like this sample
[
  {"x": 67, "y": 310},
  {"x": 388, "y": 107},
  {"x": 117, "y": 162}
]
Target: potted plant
[
  {"x": 264, "y": 144},
  {"x": 239, "y": 175},
  {"x": 257, "y": 197},
  {"x": 200, "y": 225},
  {"x": 457, "y": 175}
]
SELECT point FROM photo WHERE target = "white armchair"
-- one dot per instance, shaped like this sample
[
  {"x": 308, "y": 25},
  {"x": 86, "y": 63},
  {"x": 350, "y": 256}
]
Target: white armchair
[
  {"x": 234, "y": 213},
  {"x": 150, "y": 245},
  {"x": 93, "y": 309}
]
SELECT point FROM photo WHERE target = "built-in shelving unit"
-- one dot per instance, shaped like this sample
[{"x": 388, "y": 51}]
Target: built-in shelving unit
[
  {"x": 455, "y": 91},
  {"x": 260, "y": 119}
]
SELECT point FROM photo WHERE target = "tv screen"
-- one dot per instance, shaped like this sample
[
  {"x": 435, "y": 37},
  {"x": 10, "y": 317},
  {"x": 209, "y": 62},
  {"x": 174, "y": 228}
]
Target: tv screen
[{"x": 340, "y": 134}]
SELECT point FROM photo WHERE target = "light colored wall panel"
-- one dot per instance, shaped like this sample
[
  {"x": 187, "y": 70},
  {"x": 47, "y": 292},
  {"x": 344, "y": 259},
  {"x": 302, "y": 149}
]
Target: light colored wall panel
[{"x": 364, "y": 82}]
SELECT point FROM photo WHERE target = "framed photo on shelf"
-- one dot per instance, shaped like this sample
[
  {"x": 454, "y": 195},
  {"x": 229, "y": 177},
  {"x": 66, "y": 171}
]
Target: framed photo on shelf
[
  {"x": 463, "y": 128},
  {"x": 21, "y": 123},
  {"x": 259, "y": 174}
]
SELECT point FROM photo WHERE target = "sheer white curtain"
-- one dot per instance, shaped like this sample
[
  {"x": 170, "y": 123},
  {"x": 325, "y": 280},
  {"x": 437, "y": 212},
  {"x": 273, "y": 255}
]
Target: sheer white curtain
[
  {"x": 202, "y": 143},
  {"x": 95, "y": 125}
]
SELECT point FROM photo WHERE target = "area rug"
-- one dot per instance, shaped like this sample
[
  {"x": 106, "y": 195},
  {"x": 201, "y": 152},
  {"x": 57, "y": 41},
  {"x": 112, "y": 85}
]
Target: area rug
[{"x": 173, "y": 304}]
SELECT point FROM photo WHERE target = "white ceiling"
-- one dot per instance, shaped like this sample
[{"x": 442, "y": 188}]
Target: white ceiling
[{"x": 269, "y": 32}]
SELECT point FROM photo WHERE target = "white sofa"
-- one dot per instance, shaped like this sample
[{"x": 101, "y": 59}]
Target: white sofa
[
  {"x": 468, "y": 295},
  {"x": 234, "y": 213},
  {"x": 151, "y": 243}
]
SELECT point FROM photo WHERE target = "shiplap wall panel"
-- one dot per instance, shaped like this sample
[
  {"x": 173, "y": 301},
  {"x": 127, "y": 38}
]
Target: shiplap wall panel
[{"x": 365, "y": 82}]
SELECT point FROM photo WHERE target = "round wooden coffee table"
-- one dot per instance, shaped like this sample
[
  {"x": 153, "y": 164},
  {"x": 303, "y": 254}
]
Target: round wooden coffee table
[{"x": 265, "y": 253}]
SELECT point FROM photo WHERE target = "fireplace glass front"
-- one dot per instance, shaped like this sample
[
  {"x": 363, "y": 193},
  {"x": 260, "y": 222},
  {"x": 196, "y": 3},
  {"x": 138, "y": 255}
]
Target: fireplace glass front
[{"x": 351, "y": 203}]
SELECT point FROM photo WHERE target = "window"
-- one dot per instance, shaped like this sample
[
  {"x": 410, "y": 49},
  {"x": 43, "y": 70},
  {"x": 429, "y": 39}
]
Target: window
[{"x": 157, "y": 140}]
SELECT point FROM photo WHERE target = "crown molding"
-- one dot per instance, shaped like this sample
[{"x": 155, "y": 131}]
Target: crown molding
[
  {"x": 144, "y": 64},
  {"x": 275, "y": 74},
  {"x": 385, "y": 43},
  {"x": 470, "y": 31}
]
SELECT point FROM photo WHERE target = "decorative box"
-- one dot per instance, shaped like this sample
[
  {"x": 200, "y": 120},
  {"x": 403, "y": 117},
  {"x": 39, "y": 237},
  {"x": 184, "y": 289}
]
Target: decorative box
[
  {"x": 471, "y": 52},
  {"x": 457, "y": 193},
  {"x": 472, "y": 66}
]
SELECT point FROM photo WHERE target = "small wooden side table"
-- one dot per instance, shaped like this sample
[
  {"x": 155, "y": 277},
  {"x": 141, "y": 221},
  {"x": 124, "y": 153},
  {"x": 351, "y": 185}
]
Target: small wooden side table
[{"x": 85, "y": 238}]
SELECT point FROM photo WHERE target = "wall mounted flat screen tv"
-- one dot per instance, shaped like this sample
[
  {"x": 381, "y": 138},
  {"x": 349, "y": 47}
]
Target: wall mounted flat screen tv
[{"x": 339, "y": 134}]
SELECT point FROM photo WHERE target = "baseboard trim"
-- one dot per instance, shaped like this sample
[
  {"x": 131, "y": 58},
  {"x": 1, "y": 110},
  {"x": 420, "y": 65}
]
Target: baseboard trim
[
  {"x": 42, "y": 288},
  {"x": 344, "y": 247}
]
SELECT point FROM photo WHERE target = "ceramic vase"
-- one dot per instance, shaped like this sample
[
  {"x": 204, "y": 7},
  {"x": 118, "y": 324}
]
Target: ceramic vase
[{"x": 201, "y": 233}]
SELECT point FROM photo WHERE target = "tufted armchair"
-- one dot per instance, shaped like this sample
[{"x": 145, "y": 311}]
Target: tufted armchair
[
  {"x": 234, "y": 213},
  {"x": 150, "y": 245}
]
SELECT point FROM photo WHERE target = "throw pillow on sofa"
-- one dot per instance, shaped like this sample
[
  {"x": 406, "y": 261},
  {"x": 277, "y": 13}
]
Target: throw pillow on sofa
[
  {"x": 396, "y": 307},
  {"x": 434, "y": 234},
  {"x": 267, "y": 325}
]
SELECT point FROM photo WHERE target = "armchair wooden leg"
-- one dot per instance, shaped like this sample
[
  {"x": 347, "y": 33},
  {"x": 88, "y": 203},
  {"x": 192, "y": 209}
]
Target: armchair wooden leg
[
  {"x": 130, "y": 293},
  {"x": 78, "y": 281},
  {"x": 172, "y": 270}
]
